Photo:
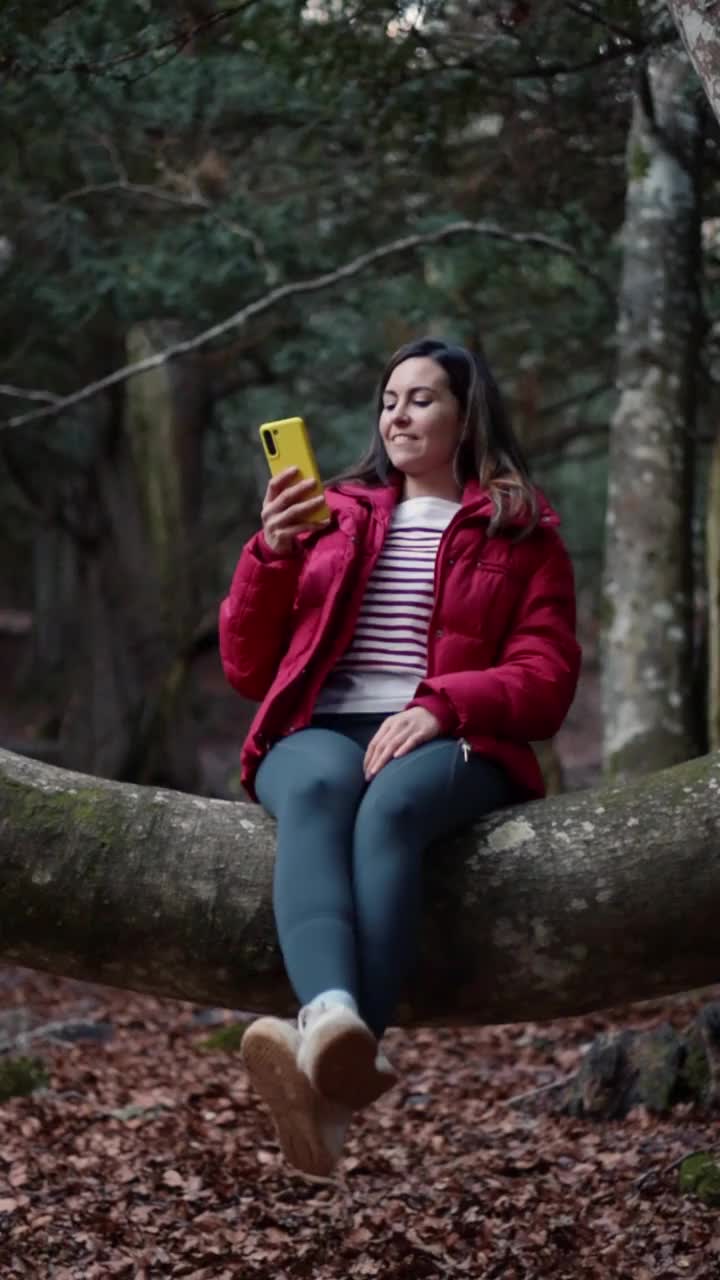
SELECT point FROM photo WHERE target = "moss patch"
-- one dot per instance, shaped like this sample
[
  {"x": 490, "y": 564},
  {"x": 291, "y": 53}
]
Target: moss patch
[
  {"x": 228, "y": 1039},
  {"x": 638, "y": 163},
  {"x": 699, "y": 1175},
  {"x": 21, "y": 1076}
]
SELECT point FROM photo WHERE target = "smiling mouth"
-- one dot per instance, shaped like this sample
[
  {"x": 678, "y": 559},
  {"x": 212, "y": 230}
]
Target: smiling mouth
[{"x": 403, "y": 435}]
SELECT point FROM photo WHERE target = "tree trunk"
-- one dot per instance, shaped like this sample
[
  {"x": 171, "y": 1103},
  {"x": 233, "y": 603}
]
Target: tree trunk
[
  {"x": 647, "y": 675},
  {"x": 712, "y": 557},
  {"x": 127, "y": 712},
  {"x": 697, "y": 22},
  {"x": 54, "y": 592},
  {"x": 544, "y": 910}
]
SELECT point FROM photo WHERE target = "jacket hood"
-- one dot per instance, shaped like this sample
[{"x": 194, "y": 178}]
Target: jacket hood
[{"x": 476, "y": 499}]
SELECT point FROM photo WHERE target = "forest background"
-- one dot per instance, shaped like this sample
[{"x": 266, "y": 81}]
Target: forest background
[
  {"x": 164, "y": 171},
  {"x": 278, "y": 194}
]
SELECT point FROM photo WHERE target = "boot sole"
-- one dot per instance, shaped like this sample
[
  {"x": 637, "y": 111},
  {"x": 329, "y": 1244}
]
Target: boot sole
[
  {"x": 271, "y": 1064},
  {"x": 343, "y": 1067}
]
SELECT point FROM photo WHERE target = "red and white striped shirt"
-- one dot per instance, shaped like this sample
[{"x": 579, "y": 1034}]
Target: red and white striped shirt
[{"x": 387, "y": 657}]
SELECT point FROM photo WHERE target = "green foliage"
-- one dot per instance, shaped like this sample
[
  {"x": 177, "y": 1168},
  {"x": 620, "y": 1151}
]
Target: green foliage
[
  {"x": 151, "y": 175},
  {"x": 21, "y": 1076}
]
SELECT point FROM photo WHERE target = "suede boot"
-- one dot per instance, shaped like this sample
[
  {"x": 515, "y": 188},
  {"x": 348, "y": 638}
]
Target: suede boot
[
  {"x": 310, "y": 1129},
  {"x": 340, "y": 1056}
]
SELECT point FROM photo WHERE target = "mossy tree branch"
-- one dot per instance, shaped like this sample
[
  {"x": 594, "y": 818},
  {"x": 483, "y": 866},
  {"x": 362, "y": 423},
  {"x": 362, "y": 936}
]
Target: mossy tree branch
[{"x": 547, "y": 909}]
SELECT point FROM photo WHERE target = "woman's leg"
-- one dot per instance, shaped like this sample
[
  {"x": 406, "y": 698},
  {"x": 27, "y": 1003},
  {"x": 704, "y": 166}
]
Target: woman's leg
[
  {"x": 312, "y": 782},
  {"x": 411, "y": 802}
]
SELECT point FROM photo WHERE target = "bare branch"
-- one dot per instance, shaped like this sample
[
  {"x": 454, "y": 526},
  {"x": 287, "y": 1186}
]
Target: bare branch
[
  {"x": 315, "y": 285},
  {"x": 558, "y": 440},
  {"x": 594, "y": 14},
  {"x": 176, "y": 43},
  {"x": 21, "y": 393},
  {"x": 576, "y": 398},
  {"x": 547, "y": 71},
  {"x": 524, "y": 1097},
  {"x": 194, "y": 201}
]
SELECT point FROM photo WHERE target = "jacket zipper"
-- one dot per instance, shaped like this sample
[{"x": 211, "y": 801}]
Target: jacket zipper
[{"x": 445, "y": 538}]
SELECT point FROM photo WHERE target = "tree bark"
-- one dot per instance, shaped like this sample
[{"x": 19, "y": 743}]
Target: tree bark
[
  {"x": 126, "y": 710},
  {"x": 648, "y": 704},
  {"x": 565, "y": 905},
  {"x": 712, "y": 565},
  {"x": 697, "y": 22}
]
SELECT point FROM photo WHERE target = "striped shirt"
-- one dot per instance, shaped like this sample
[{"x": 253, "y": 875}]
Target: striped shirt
[{"x": 387, "y": 657}]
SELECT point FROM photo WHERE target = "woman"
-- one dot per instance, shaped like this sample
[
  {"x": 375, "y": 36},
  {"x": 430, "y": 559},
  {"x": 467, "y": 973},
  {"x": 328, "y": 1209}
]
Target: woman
[{"x": 404, "y": 655}]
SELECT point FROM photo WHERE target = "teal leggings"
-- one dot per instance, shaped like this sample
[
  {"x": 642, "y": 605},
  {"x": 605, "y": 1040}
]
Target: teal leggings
[{"x": 348, "y": 869}]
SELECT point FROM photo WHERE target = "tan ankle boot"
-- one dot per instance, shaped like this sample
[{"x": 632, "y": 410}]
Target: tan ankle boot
[
  {"x": 311, "y": 1130},
  {"x": 339, "y": 1054}
]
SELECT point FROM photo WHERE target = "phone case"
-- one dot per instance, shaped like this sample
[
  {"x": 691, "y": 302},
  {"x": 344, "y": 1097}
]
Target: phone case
[{"x": 287, "y": 444}]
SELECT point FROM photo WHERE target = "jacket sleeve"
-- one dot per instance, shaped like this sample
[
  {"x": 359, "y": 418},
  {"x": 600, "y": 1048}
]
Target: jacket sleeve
[
  {"x": 255, "y": 617},
  {"x": 527, "y": 694}
]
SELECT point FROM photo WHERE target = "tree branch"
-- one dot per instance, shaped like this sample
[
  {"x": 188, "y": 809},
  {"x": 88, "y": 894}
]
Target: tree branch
[
  {"x": 577, "y": 397},
  {"x": 593, "y": 14},
  {"x": 176, "y": 42},
  {"x": 557, "y": 440},
  {"x": 21, "y": 393},
  {"x": 529, "y": 71},
  {"x": 575, "y": 903},
  {"x": 315, "y": 285}
]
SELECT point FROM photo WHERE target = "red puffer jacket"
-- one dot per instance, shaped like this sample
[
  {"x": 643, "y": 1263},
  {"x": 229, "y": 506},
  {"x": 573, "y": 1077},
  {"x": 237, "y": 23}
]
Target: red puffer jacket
[{"x": 503, "y": 660}]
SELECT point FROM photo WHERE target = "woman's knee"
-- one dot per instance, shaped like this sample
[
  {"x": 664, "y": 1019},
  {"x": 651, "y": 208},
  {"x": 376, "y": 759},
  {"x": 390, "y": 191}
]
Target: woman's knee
[
  {"x": 308, "y": 771},
  {"x": 403, "y": 792},
  {"x": 388, "y": 809},
  {"x": 321, "y": 790}
]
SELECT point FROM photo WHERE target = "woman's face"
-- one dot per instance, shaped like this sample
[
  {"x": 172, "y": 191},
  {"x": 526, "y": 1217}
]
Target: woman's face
[{"x": 421, "y": 421}]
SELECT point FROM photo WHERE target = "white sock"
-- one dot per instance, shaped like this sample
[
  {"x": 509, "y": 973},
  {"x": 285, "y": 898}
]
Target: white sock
[{"x": 331, "y": 997}]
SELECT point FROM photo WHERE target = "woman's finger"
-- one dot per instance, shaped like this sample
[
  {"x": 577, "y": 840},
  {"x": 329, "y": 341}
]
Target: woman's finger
[
  {"x": 383, "y": 749},
  {"x": 287, "y": 497},
  {"x": 414, "y": 740},
  {"x": 296, "y": 510},
  {"x": 377, "y": 742}
]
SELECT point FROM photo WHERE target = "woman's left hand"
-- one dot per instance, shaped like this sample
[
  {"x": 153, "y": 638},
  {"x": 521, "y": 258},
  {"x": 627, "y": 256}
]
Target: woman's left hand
[{"x": 397, "y": 735}]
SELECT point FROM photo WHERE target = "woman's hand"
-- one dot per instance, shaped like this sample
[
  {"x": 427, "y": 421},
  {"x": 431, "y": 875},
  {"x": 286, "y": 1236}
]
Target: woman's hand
[
  {"x": 285, "y": 510},
  {"x": 397, "y": 735}
]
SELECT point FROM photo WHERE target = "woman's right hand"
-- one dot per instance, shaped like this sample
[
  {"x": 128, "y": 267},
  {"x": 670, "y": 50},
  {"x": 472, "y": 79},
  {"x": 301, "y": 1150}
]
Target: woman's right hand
[{"x": 286, "y": 508}]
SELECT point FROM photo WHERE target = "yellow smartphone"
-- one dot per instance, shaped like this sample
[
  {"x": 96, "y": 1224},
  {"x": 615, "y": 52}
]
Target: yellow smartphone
[{"x": 287, "y": 444}]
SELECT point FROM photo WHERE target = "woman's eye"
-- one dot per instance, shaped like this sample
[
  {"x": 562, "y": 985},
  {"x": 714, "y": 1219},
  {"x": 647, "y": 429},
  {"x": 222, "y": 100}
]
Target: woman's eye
[{"x": 422, "y": 404}]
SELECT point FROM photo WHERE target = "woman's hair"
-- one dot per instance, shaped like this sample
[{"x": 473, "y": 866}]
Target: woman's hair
[{"x": 487, "y": 451}]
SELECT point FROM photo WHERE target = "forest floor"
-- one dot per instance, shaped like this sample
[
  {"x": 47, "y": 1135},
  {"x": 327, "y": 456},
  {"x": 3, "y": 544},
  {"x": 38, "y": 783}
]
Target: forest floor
[{"x": 146, "y": 1155}]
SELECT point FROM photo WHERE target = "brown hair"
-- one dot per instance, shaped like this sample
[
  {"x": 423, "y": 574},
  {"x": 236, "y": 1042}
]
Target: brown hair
[{"x": 488, "y": 450}]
